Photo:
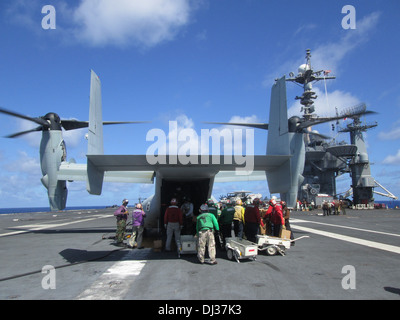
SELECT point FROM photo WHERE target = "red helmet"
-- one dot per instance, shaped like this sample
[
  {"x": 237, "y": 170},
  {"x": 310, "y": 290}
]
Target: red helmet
[{"x": 272, "y": 202}]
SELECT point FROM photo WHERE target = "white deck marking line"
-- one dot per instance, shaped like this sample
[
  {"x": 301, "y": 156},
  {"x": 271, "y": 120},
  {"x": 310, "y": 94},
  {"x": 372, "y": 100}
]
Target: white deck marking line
[
  {"x": 37, "y": 227},
  {"x": 345, "y": 227},
  {"x": 367, "y": 243},
  {"x": 117, "y": 280}
]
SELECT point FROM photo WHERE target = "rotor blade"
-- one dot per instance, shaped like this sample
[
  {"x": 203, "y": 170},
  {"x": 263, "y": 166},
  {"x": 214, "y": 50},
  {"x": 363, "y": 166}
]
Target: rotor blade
[
  {"x": 263, "y": 126},
  {"x": 124, "y": 122},
  {"x": 75, "y": 124},
  {"x": 18, "y": 115},
  {"x": 322, "y": 136},
  {"x": 24, "y": 132},
  {"x": 310, "y": 123}
]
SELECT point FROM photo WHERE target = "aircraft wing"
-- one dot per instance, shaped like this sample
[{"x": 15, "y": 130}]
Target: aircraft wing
[
  {"x": 78, "y": 172},
  {"x": 230, "y": 176},
  {"x": 218, "y": 163},
  {"x": 136, "y": 168}
]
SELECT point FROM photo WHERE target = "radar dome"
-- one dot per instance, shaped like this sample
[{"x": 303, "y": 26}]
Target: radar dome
[{"x": 303, "y": 68}]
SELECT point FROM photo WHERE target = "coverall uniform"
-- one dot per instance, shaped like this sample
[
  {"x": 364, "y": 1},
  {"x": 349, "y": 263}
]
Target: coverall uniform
[{"x": 206, "y": 223}]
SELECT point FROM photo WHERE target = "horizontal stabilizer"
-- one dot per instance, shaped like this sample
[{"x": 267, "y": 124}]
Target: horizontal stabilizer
[{"x": 78, "y": 172}]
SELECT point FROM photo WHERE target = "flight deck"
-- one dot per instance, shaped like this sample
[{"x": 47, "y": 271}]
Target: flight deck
[{"x": 69, "y": 255}]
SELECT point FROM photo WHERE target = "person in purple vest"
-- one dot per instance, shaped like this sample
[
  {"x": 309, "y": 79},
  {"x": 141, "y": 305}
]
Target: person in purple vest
[{"x": 138, "y": 216}]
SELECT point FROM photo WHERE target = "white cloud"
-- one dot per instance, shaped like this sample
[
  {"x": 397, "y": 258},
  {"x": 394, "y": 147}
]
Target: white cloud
[
  {"x": 74, "y": 138},
  {"x": 305, "y": 28},
  {"x": 249, "y": 119},
  {"x": 393, "y": 159},
  {"x": 24, "y": 163},
  {"x": 122, "y": 22},
  {"x": 325, "y": 104},
  {"x": 21, "y": 175},
  {"x": 143, "y": 23},
  {"x": 32, "y": 138},
  {"x": 329, "y": 55},
  {"x": 393, "y": 134}
]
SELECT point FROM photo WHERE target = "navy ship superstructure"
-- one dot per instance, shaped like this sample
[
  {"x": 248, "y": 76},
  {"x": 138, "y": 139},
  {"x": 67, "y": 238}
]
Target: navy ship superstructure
[{"x": 326, "y": 159}]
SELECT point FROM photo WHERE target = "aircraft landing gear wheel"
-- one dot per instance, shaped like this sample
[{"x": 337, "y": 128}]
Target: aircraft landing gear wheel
[
  {"x": 229, "y": 253},
  {"x": 271, "y": 250}
]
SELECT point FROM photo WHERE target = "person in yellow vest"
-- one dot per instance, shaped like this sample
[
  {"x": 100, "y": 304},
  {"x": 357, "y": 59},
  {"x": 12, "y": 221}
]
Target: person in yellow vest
[{"x": 238, "y": 219}]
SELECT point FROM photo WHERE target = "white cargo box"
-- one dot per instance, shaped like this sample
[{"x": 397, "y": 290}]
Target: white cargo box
[
  {"x": 240, "y": 249},
  {"x": 187, "y": 245},
  {"x": 274, "y": 245}
]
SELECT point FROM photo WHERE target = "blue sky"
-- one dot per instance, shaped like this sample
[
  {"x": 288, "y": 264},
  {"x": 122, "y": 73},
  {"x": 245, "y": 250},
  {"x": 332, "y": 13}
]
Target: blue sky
[{"x": 191, "y": 61}]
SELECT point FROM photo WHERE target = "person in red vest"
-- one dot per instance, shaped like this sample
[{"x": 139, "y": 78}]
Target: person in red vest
[
  {"x": 173, "y": 222},
  {"x": 252, "y": 220},
  {"x": 276, "y": 217}
]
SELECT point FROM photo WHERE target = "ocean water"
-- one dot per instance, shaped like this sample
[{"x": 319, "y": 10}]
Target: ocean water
[
  {"x": 391, "y": 204},
  {"x": 44, "y": 209}
]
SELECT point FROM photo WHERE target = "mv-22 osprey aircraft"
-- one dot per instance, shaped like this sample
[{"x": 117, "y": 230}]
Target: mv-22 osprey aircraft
[{"x": 282, "y": 166}]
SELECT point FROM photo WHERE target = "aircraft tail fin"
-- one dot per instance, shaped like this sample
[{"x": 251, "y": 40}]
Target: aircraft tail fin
[
  {"x": 278, "y": 139},
  {"x": 94, "y": 181},
  {"x": 95, "y": 138},
  {"x": 278, "y": 142},
  {"x": 287, "y": 178}
]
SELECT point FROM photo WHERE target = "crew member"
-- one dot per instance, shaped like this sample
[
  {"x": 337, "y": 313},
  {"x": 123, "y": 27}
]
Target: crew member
[
  {"x": 212, "y": 208},
  {"x": 206, "y": 224},
  {"x": 226, "y": 219},
  {"x": 275, "y": 214},
  {"x": 286, "y": 216},
  {"x": 325, "y": 208},
  {"x": 238, "y": 219},
  {"x": 173, "y": 222},
  {"x": 187, "y": 211},
  {"x": 122, "y": 215},
  {"x": 252, "y": 220},
  {"x": 137, "y": 227}
]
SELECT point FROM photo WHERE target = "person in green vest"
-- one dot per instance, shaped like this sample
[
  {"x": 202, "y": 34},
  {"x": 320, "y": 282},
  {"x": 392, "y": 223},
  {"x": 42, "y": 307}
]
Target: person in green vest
[
  {"x": 212, "y": 208},
  {"x": 205, "y": 226}
]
